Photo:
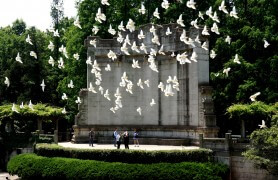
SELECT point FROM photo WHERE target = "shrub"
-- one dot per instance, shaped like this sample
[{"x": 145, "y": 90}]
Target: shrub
[
  {"x": 126, "y": 156},
  {"x": 31, "y": 166}
]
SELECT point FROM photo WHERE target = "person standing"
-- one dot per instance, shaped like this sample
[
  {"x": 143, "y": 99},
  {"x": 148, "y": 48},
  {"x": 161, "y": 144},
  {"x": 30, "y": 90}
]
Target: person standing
[
  {"x": 118, "y": 140},
  {"x": 115, "y": 133},
  {"x": 91, "y": 138},
  {"x": 126, "y": 139},
  {"x": 135, "y": 138}
]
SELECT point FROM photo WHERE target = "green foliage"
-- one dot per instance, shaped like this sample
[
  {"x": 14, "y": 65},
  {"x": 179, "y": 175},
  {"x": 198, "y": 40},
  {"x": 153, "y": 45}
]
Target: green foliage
[
  {"x": 127, "y": 156},
  {"x": 264, "y": 149},
  {"x": 30, "y": 166}
]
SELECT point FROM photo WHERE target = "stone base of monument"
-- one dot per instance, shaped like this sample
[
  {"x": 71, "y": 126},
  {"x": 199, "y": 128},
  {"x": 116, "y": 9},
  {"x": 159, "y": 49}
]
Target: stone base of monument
[{"x": 158, "y": 135}]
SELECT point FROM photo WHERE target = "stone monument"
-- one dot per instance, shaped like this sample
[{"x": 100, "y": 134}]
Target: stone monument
[{"x": 177, "y": 119}]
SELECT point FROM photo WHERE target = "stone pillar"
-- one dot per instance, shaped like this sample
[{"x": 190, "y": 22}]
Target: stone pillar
[
  {"x": 228, "y": 141},
  {"x": 201, "y": 140},
  {"x": 242, "y": 129},
  {"x": 40, "y": 126},
  {"x": 56, "y": 136}
]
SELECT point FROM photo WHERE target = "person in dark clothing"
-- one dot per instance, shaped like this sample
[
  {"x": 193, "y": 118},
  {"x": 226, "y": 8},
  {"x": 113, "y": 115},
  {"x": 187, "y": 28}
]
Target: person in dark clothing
[
  {"x": 126, "y": 140},
  {"x": 91, "y": 138}
]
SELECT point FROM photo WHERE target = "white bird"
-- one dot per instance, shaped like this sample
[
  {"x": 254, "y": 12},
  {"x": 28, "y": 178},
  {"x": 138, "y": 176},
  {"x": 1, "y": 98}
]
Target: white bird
[
  {"x": 61, "y": 63},
  {"x": 105, "y": 2},
  {"x": 168, "y": 31},
  {"x": 139, "y": 110},
  {"x": 214, "y": 29},
  {"x": 226, "y": 71},
  {"x": 14, "y": 108},
  {"x": 182, "y": 58},
  {"x": 18, "y": 58},
  {"x": 30, "y": 105},
  {"x": 152, "y": 29},
  {"x": 143, "y": 48},
  {"x": 205, "y": 46},
  {"x": 233, "y": 13},
  {"x": 156, "y": 13},
  {"x": 194, "y": 56},
  {"x": 209, "y": 12},
  {"x": 165, "y": 4},
  {"x": 173, "y": 54},
  {"x": 140, "y": 83},
  {"x": 134, "y": 47},
  {"x": 147, "y": 82},
  {"x": 160, "y": 51},
  {"x": 43, "y": 85},
  {"x": 64, "y": 111},
  {"x": 120, "y": 38},
  {"x": 155, "y": 40},
  {"x": 205, "y": 31},
  {"x": 127, "y": 40},
  {"x": 106, "y": 95},
  {"x": 33, "y": 54},
  {"x": 180, "y": 21},
  {"x": 100, "y": 89},
  {"x": 98, "y": 82},
  {"x": 77, "y": 23},
  {"x": 100, "y": 16},
  {"x": 152, "y": 103},
  {"x": 194, "y": 23},
  {"x": 215, "y": 17},
  {"x": 236, "y": 59},
  {"x": 91, "y": 88},
  {"x": 107, "y": 68},
  {"x": 141, "y": 35},
  {"x": 228, "y": 40},
  {"x": 21, "y": 105},
  {"x": 266, "y": 44},
  {"x": 168, "y": 90},
  {"x": 169, "y": 80},
  {"x": 93, "y": 42},
  {"x": 89, "y": 60},
  {"x": 201, "y": 15},
  {"x": 7, "y": 81},
  {"x": 152, "y": 53},
  {"x": 197, "y": 40},
  {"x": 76, "y": 56},
  {"x": 70, "y": 85},
  {"x": 28, "y": 40},
  {"x": 112, "y": 55},
  {"x": 121, "y": 26},
  {"x": 111, "y": 30},
  {"x": 212, "y": 54},
  {"x": 130, "y": 25},
  {"x": 262, "y": 125},
  {"x": 124, "y": 49},
  {"x": 95, "y": 30},
  {"x": 254, "y": 96},
  {"x": 135, "y": 64},
  {"x": 56, "y": 33},
  {"x": 78, "y": 100},
  {"x": 113, "y": 110},
  {"x": 50, "y": 46},
  {"x": 222, "y": 7},
  {"x": 161, "y": 86},
  {"x": 64, "y": 96},
  {"x": 191, "y": 4},
  {"x": 142, "y": 10},
  {"x": 96, "y": 65}
]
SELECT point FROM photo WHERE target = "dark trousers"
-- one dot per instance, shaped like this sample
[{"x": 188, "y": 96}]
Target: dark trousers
[
  {"x": 91, "y": 142},
  {"x": 119, "y": 144},
  {"x": 126, "y": 145}
]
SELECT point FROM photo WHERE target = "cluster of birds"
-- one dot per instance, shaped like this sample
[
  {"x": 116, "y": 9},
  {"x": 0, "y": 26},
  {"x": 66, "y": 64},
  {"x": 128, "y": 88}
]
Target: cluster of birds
[{"x": 182, "y": 58}]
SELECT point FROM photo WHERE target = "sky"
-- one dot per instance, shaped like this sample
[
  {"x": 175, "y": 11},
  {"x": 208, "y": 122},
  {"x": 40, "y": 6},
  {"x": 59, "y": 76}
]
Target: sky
[{"x": 33, "y": 12}]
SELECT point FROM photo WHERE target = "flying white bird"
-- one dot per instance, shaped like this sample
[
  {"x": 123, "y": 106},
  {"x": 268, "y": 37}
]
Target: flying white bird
[
  {"x": 215, "y": 17},
  {"x": 152, "y": 29},
  {"x": 233, "y": 13},
  {"x": 147, "y": 82},
  {"x": 130, "y": 25},
  {"x": 152, "y": 103},
  {"x": 127, "y": 40},
  {"x": 100, "y": 16},
  {"x": 191, "y": 4},
  {"x": 95, "y": 30},
  {"x": 214, "y": 29},
  {"x": 33, "y": 54},
  {"x": 121, "y": 26},
  {"x": 168, "y": 90},
  {"x": 205, "y": 46},
  {"x": 254, "y": 96},
  {"x": 141, "y": 35},
  {"x": 156, "y": 13},
  {"x": 226, "y": 71},
  {"x": 201, "y": 15},
  {"x": 70, "y": 85},
  {"x": 96, "y": 65},
  {"x": 120, "y": 38},
  {"x": 28, "y": 40},
  {"x": 160, "y": 51},
  {"x": 168, "y": 31},
  {"x": 134, "y": 47},
  {"x": 93, "y": 42},
  {"x": 155, "y": 40},
  {"x": 21, "y": 105},
  {"x": 209, "y": 12},
  {"x": 169, "y": 80},
  {"x": 142, "y": 10},
  {"x": 18, "y": 58},
  {"x": 197, "y": 40},
  {"x": 43, "y": 85},
  {"x": 76, "y": 56},
  {"x": 112, "y": 55},
  {"x": 78, "y": 100},
  {"x": 143, "y": 48},
  {"x": 100, "y": 89},
  {"x": 180, "y": 21},
  {"x": 222, "y": 7},
  {"x": 135, "y": 64},
  {"x": 236, "y": 59},
  {"x": 212, "y": 54},
  {"x": 266, "y": 44},
  {"x": 64, "y": 96},
  {"x": 56, "y": 33},
  {"x": 173, "y": 54},
  {"x": 182, "y": 58},
  {"x": 194, "y": 23},
  {"x": 262, "y": 125},
  {"x": 194, "y": 56},
  {"x": 50, "y": 46},
  {"x": 165, "y": 4},
  {"x": 105, "y": 2},
  {"x": 91, "y": 88},
  {"x": 228, "y": 40},
  {"x": 124, "y": 49},
  {"x": 205, "y": 31},
  {"x": 139, "y": 110},
  {"x": 61, "y": 63},
  {"x": 111, "y": 30},
  {"x": 77, "y": 23},
  {"x": 106, "y": 95},
  {"x": 14, "y": 108},
  {"x": 64, "y": 111},
  {"x": 161, "y": 86},
  {"x": 7, "y": 81},
  {"x": 140, "y": 84},
  {"x": 113, "y": 110},
  {"x": 107, "y": 68},
  {"x": 30, "y": 105}
]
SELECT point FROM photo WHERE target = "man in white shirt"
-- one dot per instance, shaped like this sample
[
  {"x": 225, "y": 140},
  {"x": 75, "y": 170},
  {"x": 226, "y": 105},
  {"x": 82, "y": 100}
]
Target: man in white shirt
[
  {"x": 114, "y": 136},
  {"x": 118, "y": 140}
]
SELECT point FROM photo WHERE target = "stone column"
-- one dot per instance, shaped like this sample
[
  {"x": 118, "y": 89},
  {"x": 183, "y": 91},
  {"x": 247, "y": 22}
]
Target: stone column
[
  {"x": 40, "y": 126},
  {"x": 201, "y": 140}
]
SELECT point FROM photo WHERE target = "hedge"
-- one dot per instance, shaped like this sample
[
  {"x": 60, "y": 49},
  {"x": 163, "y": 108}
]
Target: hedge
[
  {"x": 31, "y": 166},
  {"x": 126, "y": 156}
]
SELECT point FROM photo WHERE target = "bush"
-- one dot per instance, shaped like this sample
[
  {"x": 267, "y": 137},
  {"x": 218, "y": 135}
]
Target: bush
[
  {"x": 31, "y": 166},
  {"x": 126, "y": 156}
]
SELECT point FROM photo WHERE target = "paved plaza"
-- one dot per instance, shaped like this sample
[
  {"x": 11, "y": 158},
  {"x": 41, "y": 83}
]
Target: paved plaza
[{"x": 131, "y": 146}]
